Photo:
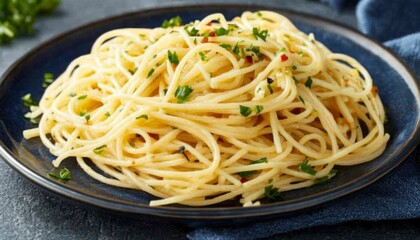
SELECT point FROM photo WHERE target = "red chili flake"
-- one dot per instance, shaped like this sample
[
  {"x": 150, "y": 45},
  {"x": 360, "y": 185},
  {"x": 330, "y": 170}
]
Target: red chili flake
[
  {"x": 284, "y": 57},
  {"x": 212, "y": 34},
  {"x": 205, "y": 40},
  {"x": 209, "y": 23},
  {"x": 244, "y": 180},
  {"x": 249, "y": 59},
  {"x": 291, "y": 51}
]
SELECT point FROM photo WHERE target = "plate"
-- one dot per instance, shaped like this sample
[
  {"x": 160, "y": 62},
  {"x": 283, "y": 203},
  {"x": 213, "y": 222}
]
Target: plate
[{"x": 397, "y": 87}]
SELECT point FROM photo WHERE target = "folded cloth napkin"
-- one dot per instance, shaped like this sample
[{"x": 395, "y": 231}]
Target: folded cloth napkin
[{"x": 396, "y": 195}]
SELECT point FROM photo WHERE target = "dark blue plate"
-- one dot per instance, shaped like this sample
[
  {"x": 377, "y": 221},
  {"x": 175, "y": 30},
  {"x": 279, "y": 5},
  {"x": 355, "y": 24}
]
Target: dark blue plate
[{"x": 397, "y": 87}]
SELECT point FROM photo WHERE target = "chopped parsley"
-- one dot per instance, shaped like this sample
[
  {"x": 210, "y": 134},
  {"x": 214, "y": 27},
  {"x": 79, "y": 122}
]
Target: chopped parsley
[
  {"x": 85, "y": 114},
  {"x": 173, "y": 22},
  {"x": 48, "y": 79},
  {"x": 221, "y": 31},
  {"x": 269, "y": 82},
  {"x": 272, "y": 193},
  {"x": 99, "y": 150},
  {"x": 261, "y": 160},
  {"x": 182, "y": 93},
  {"x": 259, "y": 34},
  {"x": 301, "y": 99},
  {"x": 247, "y": 174},
  {"x": 244, "y": 110},
  {"x": 145, "y": 116},
  {"x": 270, "y": 88},
  {"x": 235, "y": 49},
  {"x": 151, "y": 71},
  {"x": 28, "y": 101},
  {"x": 81, "y": 97},
  {"x": 173, "y": 57},
  {"x": 325, "y": 179},
  {"x": 203, "y": 56},
  {"x": 308, "y": 82},
  {"x": 192, "y": 32},
  {"x": 294, "y": 67},
  {"x": 306, "y": 168},
  {"x": 258, "y": 109},
  {"x": 107, "y": 114},
  {"x": 132, "y": 71},
  {"x": 295, "y": 79},
  {"x": 226, "y": 46},
  {"x": 63, "y": 175}
]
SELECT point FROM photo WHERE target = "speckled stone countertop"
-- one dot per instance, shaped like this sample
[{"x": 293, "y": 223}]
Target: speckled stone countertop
[{"x": 28, "y": 212}]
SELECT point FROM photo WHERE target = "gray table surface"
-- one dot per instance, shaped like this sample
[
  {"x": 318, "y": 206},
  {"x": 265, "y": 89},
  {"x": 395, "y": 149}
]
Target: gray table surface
[{"x": 28, "y": 212}]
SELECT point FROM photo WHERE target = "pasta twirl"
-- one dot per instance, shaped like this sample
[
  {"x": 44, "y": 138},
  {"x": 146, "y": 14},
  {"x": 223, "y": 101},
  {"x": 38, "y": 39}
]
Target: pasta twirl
[{"x": 213, "y": 110}]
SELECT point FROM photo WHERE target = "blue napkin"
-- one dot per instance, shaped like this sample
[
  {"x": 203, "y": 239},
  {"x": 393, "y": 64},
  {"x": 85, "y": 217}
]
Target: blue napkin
[{"x": 397, "y": 195}]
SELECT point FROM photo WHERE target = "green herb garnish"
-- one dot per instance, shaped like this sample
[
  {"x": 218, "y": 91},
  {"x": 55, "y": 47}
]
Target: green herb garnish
[
  {"x": 235, "y": 49},
  {"x": 17, "y": 17},
  {"x": 203, "y": 56},
  {"x": 81, "y": 97},
  {"x": 308, "y": 82},
  {"x": 28, "y": 101},
  {"x": 325, "y": 179},
  {"x": 221, "y": 31},
  {"x": 173, "y": 22},
  {"x": 247, "y": 174},
  {"x": 133, "y": 71},
  {"x": 151, "y": 71},
  {"x": 63, "y": 175},
  {"x": 182, "y": 93},
  {"x": 193, "y": 32},
  {"x": 173, "y": 57},
  {"x": 306, "y": 168},
  {"x": 226, "y": 46},
  {"x": 258, "y": 109},
  {"x": 244, "y": 110},
  {"x": 260, "y": 34},
  {"x": 145, "y": 116},
  {"x": 272, "y": 193},
  {"x": 301, "y": 99},
  {"x": 99, "y": 150},
  {"x": 270, "y": 88},
  {"x": 48, "y": 79}
]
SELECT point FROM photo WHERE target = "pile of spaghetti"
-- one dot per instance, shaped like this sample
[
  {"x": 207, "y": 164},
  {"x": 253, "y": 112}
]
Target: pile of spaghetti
[{"x": 213, "y": 110}]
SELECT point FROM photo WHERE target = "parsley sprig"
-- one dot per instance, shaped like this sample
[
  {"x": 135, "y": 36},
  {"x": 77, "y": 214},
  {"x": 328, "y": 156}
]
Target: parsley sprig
[
  {"x": 272, "y": 193},
  {"x": 48, "y": 79},
  {"x": 173, "y": 22},
  {"x": 248, "y": 174},
  {"x": 173, "y": 57},
  {"x": 262, "y": 34},
  {"x": 182, "y": 93},
  {"x": 63, "y": 175},
  {"x": 306, "y": 168},
  {"x": 28, "y": 101}
]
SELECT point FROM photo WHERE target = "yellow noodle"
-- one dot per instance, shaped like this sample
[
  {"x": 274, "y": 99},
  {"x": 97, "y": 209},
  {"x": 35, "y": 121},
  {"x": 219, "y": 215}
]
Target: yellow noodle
[{"x": 266, "y": 100}]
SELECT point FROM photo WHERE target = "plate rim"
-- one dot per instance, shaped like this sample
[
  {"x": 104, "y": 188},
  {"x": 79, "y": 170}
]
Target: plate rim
[{"x": 203, "y": 213}]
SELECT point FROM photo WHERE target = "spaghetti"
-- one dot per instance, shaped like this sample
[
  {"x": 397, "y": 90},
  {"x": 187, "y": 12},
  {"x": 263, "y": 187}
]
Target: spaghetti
[{"x": 213, "y": 110}]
